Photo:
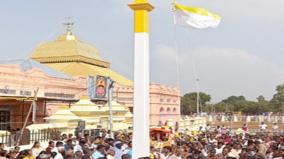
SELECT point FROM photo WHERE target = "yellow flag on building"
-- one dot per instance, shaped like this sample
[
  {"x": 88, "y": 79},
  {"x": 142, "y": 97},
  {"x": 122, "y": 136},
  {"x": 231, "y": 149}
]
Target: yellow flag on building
[{"x": 195, "y": 17}]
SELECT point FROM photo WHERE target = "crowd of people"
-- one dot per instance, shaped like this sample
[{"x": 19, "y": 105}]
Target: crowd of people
[
  {"x": 207, "y": 143},
  {"x": 106, "y": 145}
]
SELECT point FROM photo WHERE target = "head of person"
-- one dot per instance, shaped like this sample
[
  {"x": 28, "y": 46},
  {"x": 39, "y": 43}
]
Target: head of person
[
  {"x": 98, "y": 140},
  {"x": 69, "y": 152},
  {"x": 225, "y": 151},
  {"x": 48, "y": 150},
  {"x": 64, "y": 136},
  {"x": 36, "y": 144},
  {"x": 60, "y": 146},
  {"x": 220, "y": 144},
  {"x": 211, "y": 153},
  {"x": 101, "y": 149},
  {"x": 51, "y": 144},
  {"x": 110, "y": 141},
  {"x": 69, "y": 142},
  {"x": 2, "y": 146},
  {"x": 125, "y": 156},
  {"x": 70, "y": 136},
  {"x": 82, "y": 142},
  {"x": 118, "y": 144},
  {"x": 44, "y": 155},
  {"x": 110, "y": 152},
  {"x": 166, "y": 150},
  {"x": 23, "y": 154},
  {"x": 78, "y": 154}
]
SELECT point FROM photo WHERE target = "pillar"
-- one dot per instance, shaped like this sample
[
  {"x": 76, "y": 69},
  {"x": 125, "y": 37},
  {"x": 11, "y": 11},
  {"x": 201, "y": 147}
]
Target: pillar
[{"x": 141, "y": 138}]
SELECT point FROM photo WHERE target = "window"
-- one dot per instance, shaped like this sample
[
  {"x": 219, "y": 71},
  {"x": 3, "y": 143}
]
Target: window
[
  {"x": 168, "y": 100},
  {"x": 161, "y": 109},
  {"x": 161, "y": 100},
  {"x": 174, "y": 110},
  {"x": 168, "y": 109},
  {"x": 4, "y": 120}
]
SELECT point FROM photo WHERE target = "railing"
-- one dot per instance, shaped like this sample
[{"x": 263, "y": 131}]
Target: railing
[
  {"x": 29, "y": 137},
  {"x": 248, "y": 118}
]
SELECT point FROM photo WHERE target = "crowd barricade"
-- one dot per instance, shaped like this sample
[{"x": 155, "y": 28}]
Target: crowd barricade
[
  {"x": 192, "y": 123},
  {"x": 247, "y": 118},
  {"x": 29, "y": 137}
]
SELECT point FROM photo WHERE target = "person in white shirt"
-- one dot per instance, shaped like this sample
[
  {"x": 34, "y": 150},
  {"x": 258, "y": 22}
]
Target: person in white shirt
[
  {"x": 219, "y": 148},
  {"x": 207, "y": 127},
  {"x": 80, "y": 146},
  {"x": 109, "y": 135},
  {"x": 36, "y": 149},
  {"x": 262, "y": 127},
  {"x": 118, "y": 151},
  {"x": 58, "y": 150},
  {"x": 275, "y": 127},
  {"x": 110, "y": 154},
  {"x": 212, "y": 140}
]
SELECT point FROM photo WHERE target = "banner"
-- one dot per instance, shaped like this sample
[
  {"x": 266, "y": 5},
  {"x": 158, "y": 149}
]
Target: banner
[{"x": 101, "y": 87}]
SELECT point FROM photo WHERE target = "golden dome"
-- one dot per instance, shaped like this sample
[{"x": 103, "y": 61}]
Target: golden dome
[
  {"x": 75, "y": 58},
  {"x": 68, "y": 48}
]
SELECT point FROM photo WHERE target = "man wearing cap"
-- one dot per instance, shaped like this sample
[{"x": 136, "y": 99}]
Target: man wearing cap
[{"x": 117, "y": 149}]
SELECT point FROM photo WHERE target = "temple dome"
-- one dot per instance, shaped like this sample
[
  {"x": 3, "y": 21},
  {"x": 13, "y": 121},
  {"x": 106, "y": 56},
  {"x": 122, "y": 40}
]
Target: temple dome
[
  {"x": 69, "y": 55},
  {"x": 68, "y": 48}
]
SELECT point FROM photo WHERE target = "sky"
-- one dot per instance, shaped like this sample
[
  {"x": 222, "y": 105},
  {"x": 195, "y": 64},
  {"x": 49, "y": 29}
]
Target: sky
[{"x": 243, "y": 56}]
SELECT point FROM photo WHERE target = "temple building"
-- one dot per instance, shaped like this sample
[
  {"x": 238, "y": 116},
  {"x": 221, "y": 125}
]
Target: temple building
[
  {"x": 22, "y": 80},
  {"x": 59, "y": 70},
  {"x": 73, "y": 57}
]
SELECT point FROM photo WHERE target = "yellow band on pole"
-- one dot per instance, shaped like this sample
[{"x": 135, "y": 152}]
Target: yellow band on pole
[
  {"x": 141, "y": 19},
  {"x": 140, "y": 1}
]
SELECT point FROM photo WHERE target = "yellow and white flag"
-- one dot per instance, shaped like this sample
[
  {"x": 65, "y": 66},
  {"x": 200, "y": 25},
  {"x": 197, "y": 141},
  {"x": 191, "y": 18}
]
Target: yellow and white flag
[{"x": 195, "y": 17}]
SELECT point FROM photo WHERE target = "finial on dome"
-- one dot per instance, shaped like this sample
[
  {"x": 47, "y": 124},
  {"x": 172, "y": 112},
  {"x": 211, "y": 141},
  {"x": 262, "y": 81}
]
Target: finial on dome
[{"x": 68, "y": 24}]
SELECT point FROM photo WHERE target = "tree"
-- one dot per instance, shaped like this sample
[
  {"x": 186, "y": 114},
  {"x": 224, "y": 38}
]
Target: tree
[
  {"x": 220, "y": 107},
  {"x": 240, "y": 104},
  {"x": 278, "y": 98},
  {"x": 235, "y": 103},
  {"x": 260, "y": 99},
  {"x": 189, "y": 102}
]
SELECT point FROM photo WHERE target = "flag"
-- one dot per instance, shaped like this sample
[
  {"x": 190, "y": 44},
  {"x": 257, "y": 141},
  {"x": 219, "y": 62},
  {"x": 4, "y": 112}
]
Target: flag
[{"x": 195, "y": 17}]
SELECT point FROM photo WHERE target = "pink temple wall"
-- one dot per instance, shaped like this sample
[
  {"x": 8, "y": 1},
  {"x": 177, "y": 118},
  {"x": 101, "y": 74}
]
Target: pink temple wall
[{"x": 164, "y": 100}]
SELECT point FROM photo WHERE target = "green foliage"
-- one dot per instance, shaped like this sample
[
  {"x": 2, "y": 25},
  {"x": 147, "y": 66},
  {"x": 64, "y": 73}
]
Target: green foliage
[
  {"x": 189, "y": 102},
  {"x": 235, "y": 103},
  {"x": 277, "y": 101}
]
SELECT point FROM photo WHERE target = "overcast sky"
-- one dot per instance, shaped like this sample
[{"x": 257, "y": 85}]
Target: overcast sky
[{"x": 244, "y": 56}]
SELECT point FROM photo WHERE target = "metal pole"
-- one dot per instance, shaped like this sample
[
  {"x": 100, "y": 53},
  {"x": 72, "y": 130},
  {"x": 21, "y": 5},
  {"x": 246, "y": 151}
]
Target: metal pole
[
  {"x": 197, "y": 99},
  {"x": 34, "y": 111},
  {"x": 27, "y": 117},
  {"x": 110, "y": 89}
]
